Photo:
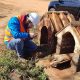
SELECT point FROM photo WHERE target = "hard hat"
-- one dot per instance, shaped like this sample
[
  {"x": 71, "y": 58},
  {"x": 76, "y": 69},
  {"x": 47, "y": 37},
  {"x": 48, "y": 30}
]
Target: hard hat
[{"x": 34, "y": 18}]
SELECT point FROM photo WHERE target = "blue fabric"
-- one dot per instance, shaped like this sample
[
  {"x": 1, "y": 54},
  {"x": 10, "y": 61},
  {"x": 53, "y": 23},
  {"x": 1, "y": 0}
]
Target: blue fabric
[
  {"x": 23, "y": 48},
  {"x": 6, "y": 42},
  {"x": 17, "y": 45},
  {"x": 14, "y": 26}
]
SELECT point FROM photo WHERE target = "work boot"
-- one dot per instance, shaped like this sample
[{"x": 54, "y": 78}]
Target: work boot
[
  {"x": 42, "y": 48},
  {"x": 42, "y": 51}
]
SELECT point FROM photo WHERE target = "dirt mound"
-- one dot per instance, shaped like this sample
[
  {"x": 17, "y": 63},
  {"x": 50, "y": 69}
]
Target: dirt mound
[{"x": 55, "y": 73}]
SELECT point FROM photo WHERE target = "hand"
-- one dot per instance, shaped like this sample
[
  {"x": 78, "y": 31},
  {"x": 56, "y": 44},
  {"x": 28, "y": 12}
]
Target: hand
[{"x": 32, "y": 35}]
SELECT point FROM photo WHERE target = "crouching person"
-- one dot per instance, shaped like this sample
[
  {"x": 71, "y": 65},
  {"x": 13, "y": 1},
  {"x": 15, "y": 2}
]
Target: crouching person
[{"x": 17, "y": 36}]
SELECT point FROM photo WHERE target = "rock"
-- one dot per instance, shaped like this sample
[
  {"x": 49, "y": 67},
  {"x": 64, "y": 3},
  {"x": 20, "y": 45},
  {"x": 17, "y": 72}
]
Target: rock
[
  {"x": 59, "y": 58},
  {"x": 75, "y": 58},
  {"x": 15, "y": 76}
]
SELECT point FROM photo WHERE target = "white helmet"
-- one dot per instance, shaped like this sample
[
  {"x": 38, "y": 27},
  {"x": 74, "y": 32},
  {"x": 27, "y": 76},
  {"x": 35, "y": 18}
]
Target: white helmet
[{"x": 34, "y": 18}]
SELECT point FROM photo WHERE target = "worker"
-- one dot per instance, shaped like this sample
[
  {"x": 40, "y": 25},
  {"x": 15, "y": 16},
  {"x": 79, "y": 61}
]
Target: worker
[{"x": 17, "y": 36}]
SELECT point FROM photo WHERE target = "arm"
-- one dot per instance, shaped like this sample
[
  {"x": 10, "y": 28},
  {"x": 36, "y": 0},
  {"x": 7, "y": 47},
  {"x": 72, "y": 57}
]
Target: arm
[{"x": 14, "y": 26}]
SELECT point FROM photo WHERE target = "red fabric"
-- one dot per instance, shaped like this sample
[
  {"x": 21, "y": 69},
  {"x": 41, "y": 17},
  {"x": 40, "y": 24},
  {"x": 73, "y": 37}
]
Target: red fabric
[{"x": 21, "y": 19}]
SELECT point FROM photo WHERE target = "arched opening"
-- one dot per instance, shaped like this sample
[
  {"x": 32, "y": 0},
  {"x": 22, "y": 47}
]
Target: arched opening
[
  {"x": 44, "y": 35},
  {"x": 68, "y": 43},
  {"x": 48, "y": 41},
  {"x": 53, "y": 43}
]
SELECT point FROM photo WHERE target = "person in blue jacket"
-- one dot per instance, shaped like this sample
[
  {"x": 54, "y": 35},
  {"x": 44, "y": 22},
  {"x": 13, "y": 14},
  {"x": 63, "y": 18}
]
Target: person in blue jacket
[{"x": 17, "y": 36}]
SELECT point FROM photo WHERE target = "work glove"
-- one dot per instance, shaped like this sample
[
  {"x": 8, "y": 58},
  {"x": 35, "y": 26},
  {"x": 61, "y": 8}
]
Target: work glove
[{"x": 33, "y": 35}]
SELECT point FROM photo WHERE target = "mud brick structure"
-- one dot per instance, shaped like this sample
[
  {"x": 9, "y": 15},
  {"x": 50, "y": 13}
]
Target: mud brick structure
[{"x": 60, "y": 32}]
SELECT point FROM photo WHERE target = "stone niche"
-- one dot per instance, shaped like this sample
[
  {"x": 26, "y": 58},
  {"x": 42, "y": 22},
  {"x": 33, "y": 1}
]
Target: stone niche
[
  {"x": 68, "y": 40},
  {"x": 50, "y": 24},
  {"x": 59, "y": 33}
]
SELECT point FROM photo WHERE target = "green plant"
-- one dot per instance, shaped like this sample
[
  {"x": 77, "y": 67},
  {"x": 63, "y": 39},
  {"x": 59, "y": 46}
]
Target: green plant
[{"x": 10, "y": 63}]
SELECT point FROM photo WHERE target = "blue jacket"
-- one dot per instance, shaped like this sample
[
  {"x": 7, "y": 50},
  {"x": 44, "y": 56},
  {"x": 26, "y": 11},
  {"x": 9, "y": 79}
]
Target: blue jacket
[{"x": 14, "y": 26}]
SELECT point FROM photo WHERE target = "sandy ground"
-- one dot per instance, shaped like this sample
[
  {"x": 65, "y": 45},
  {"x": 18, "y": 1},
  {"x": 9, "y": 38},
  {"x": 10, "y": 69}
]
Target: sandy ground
[
  {"x": 9, "y": 8},
  {"x": 17, "y": 6}
]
